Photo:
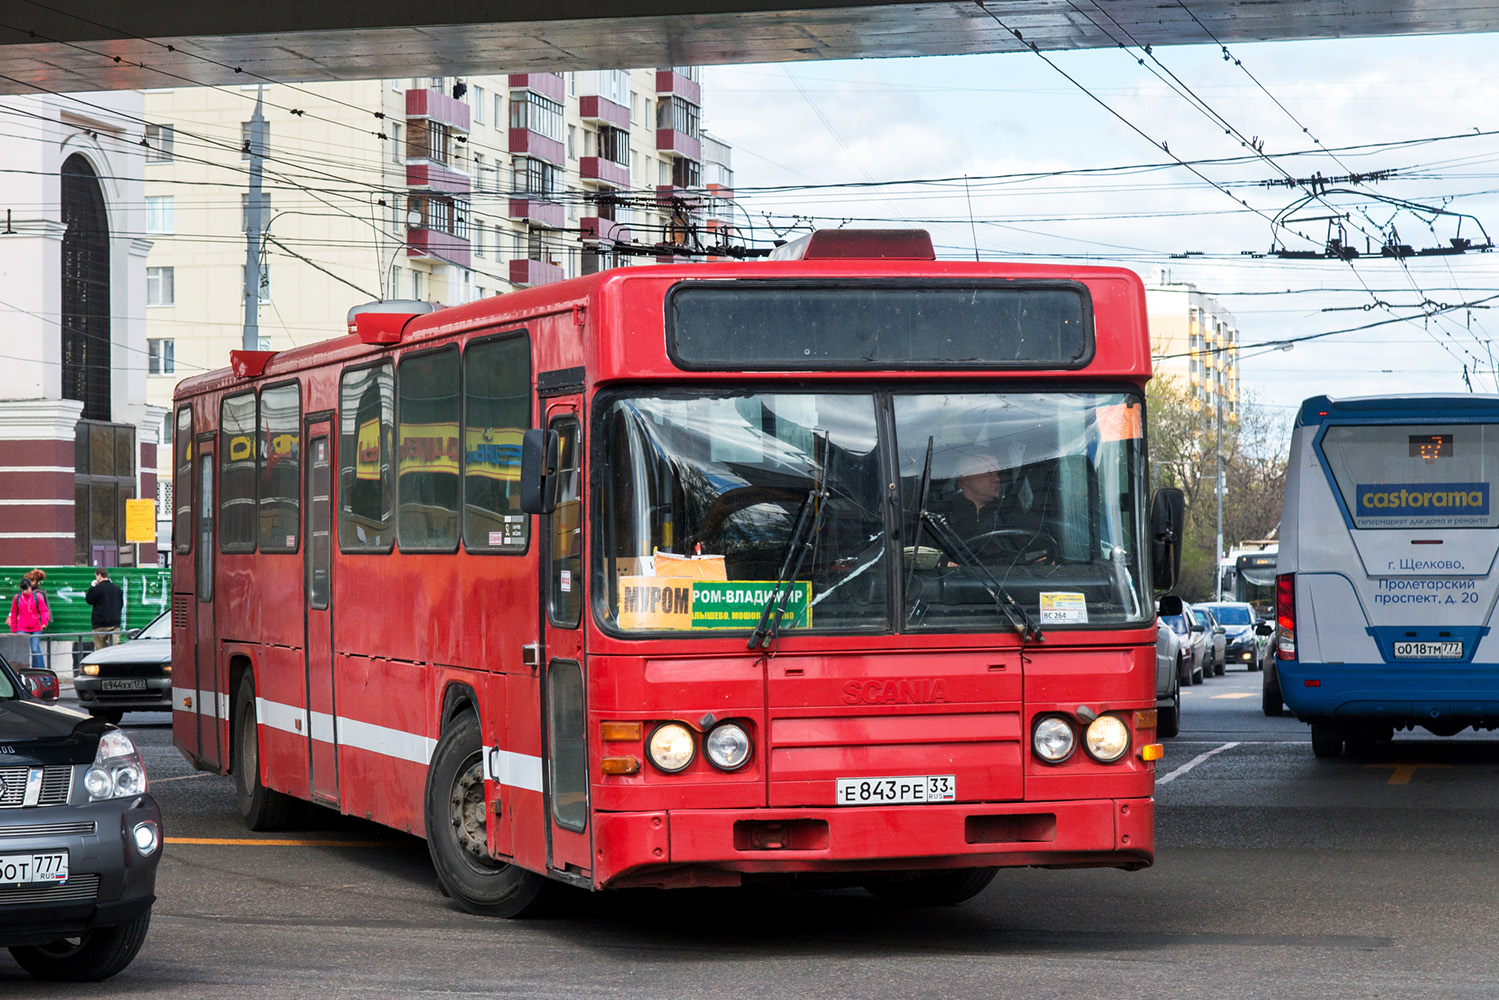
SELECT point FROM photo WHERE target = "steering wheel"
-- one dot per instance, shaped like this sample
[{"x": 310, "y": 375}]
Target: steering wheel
[{"x": 1031, "y": 547}]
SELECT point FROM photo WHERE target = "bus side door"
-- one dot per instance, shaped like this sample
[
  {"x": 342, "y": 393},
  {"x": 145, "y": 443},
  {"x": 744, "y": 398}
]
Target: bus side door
[
  {"x": 563, "y": 705},
  {"x": 211, "y": 705},
  {"x": 322, "y": 744}
]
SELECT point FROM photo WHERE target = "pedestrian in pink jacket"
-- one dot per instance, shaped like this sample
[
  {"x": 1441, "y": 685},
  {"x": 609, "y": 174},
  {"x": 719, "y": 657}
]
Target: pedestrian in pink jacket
[{"x": 29, "y": 615}]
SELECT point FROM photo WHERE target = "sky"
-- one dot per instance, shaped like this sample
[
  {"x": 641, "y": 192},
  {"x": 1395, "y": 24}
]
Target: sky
[{"x": 1011, "y": 159}]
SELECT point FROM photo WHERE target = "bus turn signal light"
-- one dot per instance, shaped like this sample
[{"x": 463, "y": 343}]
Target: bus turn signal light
[
  {"x": 1145, "y": 719},
  {"x": 1152, "y": 751},
  {"x": 618, "y": 732},
  {"x": 619, "y": 765}
]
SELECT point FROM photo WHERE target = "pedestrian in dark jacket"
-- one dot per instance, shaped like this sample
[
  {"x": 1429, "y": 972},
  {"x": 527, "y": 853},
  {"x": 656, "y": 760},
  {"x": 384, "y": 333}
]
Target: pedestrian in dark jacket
[{"x": 108, "y": 603}]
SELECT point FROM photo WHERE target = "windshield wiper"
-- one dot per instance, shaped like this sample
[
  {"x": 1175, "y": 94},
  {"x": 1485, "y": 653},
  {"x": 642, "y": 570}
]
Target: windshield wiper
[
  {"x": 953, "y": 544},
  {"x": 798, "y": 544}
]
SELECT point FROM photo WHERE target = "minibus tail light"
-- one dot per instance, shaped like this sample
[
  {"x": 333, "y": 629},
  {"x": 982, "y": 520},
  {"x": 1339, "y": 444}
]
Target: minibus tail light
[{"x": 1285, "y": 616}]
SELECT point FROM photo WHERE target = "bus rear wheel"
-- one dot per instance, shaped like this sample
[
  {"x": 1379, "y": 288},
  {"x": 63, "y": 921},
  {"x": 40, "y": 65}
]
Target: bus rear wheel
[
  {"x": 944, "y": 888},
  {"x": 1327, "y": 741},
  {"x": 260, "y": 807},
  {"x": 458, "y": 833}
]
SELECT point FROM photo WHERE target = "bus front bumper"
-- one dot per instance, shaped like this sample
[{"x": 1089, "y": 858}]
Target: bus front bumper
[{"x": 674, "y": 848}]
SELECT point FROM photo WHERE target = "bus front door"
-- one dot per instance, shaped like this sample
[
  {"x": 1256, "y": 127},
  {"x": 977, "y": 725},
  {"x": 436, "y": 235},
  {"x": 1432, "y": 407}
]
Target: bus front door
[
  {"x": 564, "y": 707},
  {"x": 322, "y": 746}
]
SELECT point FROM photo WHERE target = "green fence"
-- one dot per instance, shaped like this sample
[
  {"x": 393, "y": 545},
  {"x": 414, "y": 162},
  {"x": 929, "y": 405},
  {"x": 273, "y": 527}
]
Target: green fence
[{"x": 148, "y": 592}]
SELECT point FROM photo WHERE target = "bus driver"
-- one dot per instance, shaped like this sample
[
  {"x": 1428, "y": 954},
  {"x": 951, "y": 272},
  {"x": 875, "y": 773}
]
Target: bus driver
[{"x": 997, "y": 522}]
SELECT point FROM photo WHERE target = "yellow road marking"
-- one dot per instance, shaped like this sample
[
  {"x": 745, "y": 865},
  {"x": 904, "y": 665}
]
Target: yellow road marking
[
  {"x": 1402, "y": 772},
  {"x": 1236, "y": 694},
  {"x": 246, "y": 842}
]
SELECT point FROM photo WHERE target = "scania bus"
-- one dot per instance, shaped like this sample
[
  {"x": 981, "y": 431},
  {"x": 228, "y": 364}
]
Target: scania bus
[
  {"x": 650, "y": 577},
  {"x": 1385, "y": 581}
]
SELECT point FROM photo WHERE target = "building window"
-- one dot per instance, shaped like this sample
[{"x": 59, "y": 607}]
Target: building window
[
  {"x": 159, "y": 213},
  {"x": 686, "y": 173},
  {"x": 572, "y": 153},
  {"x": 634, "y": 106},
  {"x": 499, "y": 110},
  {"x": 397, "y": 149},
  {"x": 159, "y": 143},
  {"x": 160, "y": 290},
  {"x": 478, "y": 239},
  {"x": 537, "y": 177},
  {"x": 244, "y": 211},
  {"x": 432, "y": 141},
  {"x": 679, "y": 115},
  {"x": 478, "y": 171},
  {"x": 531, "y": 111},
  {"x": 244, "y": 139},
  {"x": 442, "y": 214},
  {"x": 478, "y": 104},
  {"x": 614, "y": 145},
  {"x": 86, "y": 337},
  {"x": 162, "y": 354}
]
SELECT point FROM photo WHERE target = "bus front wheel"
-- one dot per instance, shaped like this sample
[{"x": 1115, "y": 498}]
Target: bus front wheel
[
  {"x": 260, "y": 807},
  {"x": 1327, "y": 741},
  {"x": 458, "y": 833}
]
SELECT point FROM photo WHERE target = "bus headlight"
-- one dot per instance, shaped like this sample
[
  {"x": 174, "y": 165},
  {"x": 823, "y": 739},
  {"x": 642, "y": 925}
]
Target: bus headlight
[
  {"x": 1053, "y": 739},
  {"x": 671, "y": 747},
  {"x": 1107, "y": 738},
  {"x": 727, "y": 746}
]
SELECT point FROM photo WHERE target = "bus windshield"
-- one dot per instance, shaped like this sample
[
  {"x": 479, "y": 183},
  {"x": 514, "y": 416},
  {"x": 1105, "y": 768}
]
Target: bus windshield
[{"x": 701, "y": 494}]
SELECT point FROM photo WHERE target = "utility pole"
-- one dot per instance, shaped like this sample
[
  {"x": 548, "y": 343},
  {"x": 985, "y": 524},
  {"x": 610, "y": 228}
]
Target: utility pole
[
  {"x": 256, "y": 143},
  {"x": 1219, "y": 383}
]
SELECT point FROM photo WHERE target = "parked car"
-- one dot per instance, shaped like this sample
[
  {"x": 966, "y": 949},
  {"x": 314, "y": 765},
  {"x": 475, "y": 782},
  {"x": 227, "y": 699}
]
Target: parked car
[
  {"x": 1216, "y": 638},
  {"x": 132, "y": 676},
  {"x": 1168, "y": 698},
  {"x": 1246, "y": 645},
  {"x": 1194, "y": 640},
  {"x": 75, "y": 899}
]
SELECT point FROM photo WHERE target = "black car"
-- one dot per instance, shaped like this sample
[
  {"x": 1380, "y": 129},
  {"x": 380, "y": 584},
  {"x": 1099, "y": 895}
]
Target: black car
[{"x": 79, "y": 839}]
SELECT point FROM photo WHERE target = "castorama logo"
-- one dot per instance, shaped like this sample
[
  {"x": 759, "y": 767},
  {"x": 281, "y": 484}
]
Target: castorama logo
[{"x": 1422, "y": 500}]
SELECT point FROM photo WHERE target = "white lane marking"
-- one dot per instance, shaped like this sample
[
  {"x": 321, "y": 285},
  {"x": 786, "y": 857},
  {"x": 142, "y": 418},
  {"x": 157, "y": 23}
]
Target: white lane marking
[
  {"x": 181, "y": 777},
  {"x": 1193, "y": 763},
  {"x": 1234, "y": 694}
]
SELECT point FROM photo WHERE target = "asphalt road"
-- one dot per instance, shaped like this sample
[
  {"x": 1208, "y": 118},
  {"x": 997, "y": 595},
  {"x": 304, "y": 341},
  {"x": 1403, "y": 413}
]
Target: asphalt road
[{"x": 1277, "y": 875}]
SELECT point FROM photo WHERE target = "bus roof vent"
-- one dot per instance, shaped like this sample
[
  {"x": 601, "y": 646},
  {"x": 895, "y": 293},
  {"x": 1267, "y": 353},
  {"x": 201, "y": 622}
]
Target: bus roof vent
[
  {"x": 382, "y": 322},
  {"x": 249, "y": 364},
  {"x": 826, "y": 244}
]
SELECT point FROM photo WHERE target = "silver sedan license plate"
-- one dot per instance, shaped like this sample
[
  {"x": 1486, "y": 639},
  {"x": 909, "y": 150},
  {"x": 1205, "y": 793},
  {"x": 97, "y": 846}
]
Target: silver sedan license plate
[
  {"x": 41, "y": 866},
  {"x": 897, "y": 791},
  {"x": 123, "y": 684},
  {"x": 1428, "y": 650}
]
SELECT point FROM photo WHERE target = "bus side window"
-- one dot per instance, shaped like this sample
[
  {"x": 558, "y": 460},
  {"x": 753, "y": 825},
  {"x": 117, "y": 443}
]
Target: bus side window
[
  {"x": 366, "y": 480},
  {"x": 565, "y": 605},
  {"x": 496, "y": 413},
  {"x": 182, "y": 490}
]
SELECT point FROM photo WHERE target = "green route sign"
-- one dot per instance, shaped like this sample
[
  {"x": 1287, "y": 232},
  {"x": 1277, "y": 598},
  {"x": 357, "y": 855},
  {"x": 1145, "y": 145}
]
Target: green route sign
[{"x": 148, "y": 592}]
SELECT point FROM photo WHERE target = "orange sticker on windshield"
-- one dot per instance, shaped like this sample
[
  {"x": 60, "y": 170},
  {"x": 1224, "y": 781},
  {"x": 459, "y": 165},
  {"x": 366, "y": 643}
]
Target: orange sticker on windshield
[{"x": 1120, "y": 422}]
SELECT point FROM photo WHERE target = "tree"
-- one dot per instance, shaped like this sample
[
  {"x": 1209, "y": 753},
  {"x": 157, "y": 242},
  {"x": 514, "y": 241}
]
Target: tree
[{"x": 1182, "y": 442}]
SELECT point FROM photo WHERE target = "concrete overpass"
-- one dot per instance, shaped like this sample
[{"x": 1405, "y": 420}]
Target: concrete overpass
[{"x": 77, "y": 45}]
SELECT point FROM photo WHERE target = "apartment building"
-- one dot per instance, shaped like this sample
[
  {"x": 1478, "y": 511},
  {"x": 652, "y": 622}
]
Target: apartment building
[
  {"x": 440, "y": 189},
  {"x": 1194, "y": 340}
]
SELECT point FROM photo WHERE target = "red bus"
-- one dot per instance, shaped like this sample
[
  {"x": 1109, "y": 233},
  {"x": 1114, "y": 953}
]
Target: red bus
[{"x": 663, "y": 576}]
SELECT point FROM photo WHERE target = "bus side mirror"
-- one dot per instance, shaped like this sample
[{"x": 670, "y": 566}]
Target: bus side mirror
[
  {"x": 1171, "y": 605},
  {"x": 1167, "y": 515},
  {"x": 539, "y": 453}
]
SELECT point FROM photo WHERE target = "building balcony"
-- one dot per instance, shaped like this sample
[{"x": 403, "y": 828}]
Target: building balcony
[
  {"x": 535, "y": 272},
  {"x": 671, "y": 83},
  {"x": 523, "y": 140},
  {"x": 593, "y": 108},
  {"x": 432, "y": 175},
  {"x": 438, "y": 107},
  {"x": 443, "y": 246},
  {"x": 595, "y": 230},
  {"x": 546, "y": 84},
  {"x": 538, "y": 212},
  {"x": 675, "y": 143},
  {"x": 599, "y": 170}
]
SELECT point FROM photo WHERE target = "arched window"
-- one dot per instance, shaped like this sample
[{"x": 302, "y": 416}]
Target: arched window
[{"x": 85, "y": 290}]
